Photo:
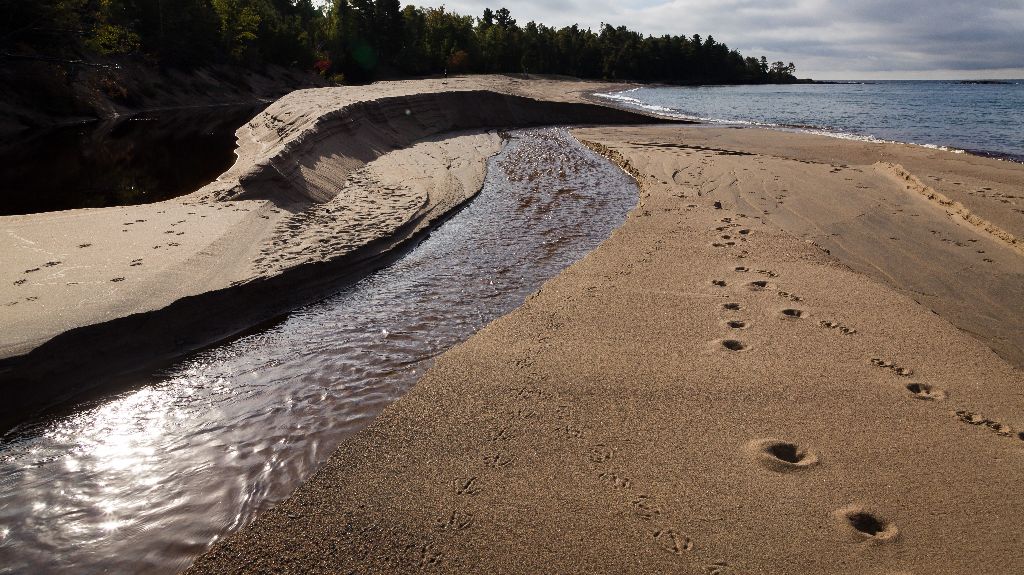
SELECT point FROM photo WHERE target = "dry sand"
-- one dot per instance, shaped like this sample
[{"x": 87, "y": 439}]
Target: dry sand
[
  {"x": 327, "y": 183},
  {"x": 711, "y": 391}
]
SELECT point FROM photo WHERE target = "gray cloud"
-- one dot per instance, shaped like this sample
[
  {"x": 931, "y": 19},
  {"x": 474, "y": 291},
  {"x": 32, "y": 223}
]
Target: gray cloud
[{"x": 825, "y": 38}]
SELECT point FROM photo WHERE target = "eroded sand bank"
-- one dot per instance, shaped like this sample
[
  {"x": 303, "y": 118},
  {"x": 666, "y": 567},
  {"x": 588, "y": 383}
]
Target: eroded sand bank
[
  {"x": 327, "y": 183},
  {"x": 747, "y": 377}
]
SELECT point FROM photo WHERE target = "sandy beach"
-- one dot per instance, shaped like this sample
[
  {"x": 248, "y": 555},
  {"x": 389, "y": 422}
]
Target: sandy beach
[
  {"x": 782, "y": 362},
  {"x": 798, "y": 354}
]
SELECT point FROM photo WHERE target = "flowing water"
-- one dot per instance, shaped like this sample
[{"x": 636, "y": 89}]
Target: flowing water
[
  {"x": 984, "y": 118},
  {"x": 148, "y": 479}
]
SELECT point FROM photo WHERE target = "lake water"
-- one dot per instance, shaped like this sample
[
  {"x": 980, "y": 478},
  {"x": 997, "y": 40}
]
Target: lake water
[
  {"x": 145, "y": 158},
  {"x": 987, "y": 119},
  {"x": 146, "y": 480}
]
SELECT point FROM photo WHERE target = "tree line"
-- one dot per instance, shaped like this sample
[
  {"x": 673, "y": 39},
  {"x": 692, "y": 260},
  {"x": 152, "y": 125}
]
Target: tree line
[{"x": 362, "y": 40}]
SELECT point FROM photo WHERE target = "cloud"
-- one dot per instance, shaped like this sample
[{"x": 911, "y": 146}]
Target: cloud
[{"x": 825, "y": 38}]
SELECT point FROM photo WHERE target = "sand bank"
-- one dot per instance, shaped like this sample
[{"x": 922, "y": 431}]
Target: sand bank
[
  {"x": 327, "y": 184},
  {"x": 761, "y": 371}
]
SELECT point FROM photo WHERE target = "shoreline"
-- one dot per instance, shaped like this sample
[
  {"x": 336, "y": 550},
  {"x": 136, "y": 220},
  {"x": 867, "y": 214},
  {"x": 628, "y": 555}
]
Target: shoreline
[
  {"x": 636, "y": 105},
  {"x": 716, "y": 388},
  {"x": 297, "y": 214}
]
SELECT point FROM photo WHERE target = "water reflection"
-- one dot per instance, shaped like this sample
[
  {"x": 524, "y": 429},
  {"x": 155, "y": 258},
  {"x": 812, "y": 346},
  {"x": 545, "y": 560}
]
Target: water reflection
[
  {"x": 142, "y": 159},
  {"x": 149, "y": 479}
]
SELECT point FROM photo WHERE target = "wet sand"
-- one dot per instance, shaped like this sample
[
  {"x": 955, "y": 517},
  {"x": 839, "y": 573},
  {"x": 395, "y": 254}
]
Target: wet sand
[{"x": 782, "y": 362}]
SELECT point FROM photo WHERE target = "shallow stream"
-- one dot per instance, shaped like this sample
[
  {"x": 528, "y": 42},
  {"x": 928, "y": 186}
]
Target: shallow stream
[{"x": 146, "y": 480}]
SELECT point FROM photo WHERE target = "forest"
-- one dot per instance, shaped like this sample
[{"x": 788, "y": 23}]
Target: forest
[{"x": 356, "y": 41}]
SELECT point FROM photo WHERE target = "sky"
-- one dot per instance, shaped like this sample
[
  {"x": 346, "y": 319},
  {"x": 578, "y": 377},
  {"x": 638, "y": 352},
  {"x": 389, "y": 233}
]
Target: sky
[{"x": 826, "y": 39}]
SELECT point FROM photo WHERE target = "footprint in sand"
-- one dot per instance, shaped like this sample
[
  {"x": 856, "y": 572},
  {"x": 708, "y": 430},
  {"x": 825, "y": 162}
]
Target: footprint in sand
[
  {"x": 736, "y": 324},
  {"x": 733, "y": 345},
  {"x": 20, "y": 282},
  {"x": 758, "y": 285},
  {"x": 84, "y": 245},
  {"x": 793, "y": 313},
  {"x": 137, "y": 262},
  {"x": 864, "y": 525},
  {"x": 781, "y": 456},
  {"x": 117, "y": 280},
  {"x": 732, "y": 306},
  {"x": 719, "y": 283},
  {"x": 926, "y": 392},
  {"x": 742, "y": 269},
  {"x": 31, "y": 270}
]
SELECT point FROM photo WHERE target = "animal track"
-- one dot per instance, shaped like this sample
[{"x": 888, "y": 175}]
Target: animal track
[
  {"x": 789, "y": 296},
  {"x": 742, "y": 269},
  {"x": 737, "y": 324},
  {"x": 19, "y": 282},
  {"x": 900, "y": 371},
  {"x": 643, "y": 507},
  {"x": 732, "y": 306},
  {"x": 926, "y": 392},
  {"x": 716, "y": 568},
  {"x": 456, "y": 521},
  {"x": 837, "y": 326},
  {"x": 498, "y": 460},
  {"x": 719, "y": 283},
  {"x": 600, "y": 454},
  {"x": 673, "y": 542},
  {"x": 117, "y": 280},
  {"x": 972, "y": 418},
  {"x": 865, "y": 525},
  {"x": 615, "y": 480},
  {"x": 429, "y": 556},
  {"x": 758, "y": 285},
  {"x": 793, "y": 313},
  {"x": 468, "y": 486}
]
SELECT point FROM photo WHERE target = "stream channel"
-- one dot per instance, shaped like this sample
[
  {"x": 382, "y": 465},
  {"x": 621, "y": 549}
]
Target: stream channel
[{"x": 149, "y": 478}]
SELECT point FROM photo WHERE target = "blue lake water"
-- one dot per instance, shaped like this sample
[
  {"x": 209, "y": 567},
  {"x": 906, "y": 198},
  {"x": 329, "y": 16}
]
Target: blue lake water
[{"x": 986, "y": 119}]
